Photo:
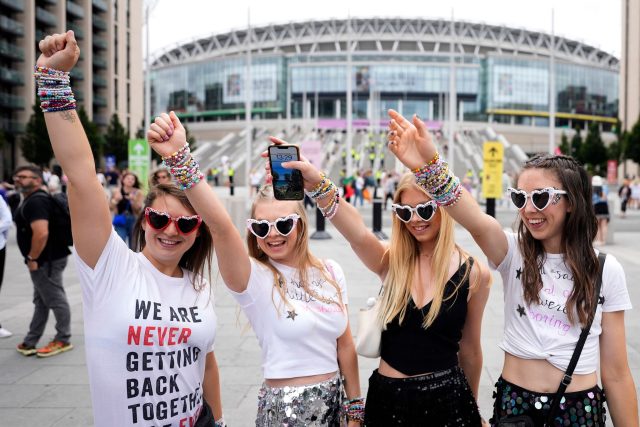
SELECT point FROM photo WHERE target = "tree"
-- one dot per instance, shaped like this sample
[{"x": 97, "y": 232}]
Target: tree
[
  {"x": 565, "y": 147},
  {"x": 96, "y": 140},
  {"x": 632, "y": 146},
  {"x": 116, "y": 140},
  {"x": 35, "y": 144},
  {"x": 576, "y": 145},
  {"x": 593, "y": 151},
  {"x": 190, "y": 138}
]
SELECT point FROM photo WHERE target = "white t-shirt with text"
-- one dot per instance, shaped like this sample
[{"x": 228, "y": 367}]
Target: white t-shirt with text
[
  {"x": 300, "y": 340},
  {"x": 147, "y": 336},
  {"x": 543, "y": 331}
]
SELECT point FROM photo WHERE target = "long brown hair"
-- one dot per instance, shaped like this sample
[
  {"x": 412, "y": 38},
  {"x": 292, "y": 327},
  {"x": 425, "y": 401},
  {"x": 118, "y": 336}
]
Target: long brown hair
[
  {"x": 580, "y": 228},
  {"x": 403, "y": 254},
  {"x": 197, "y": 259},
  {"x": 304, "y": 257}
]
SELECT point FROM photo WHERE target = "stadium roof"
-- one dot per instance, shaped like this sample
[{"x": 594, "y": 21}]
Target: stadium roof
[{"x": 386, "y": 36}]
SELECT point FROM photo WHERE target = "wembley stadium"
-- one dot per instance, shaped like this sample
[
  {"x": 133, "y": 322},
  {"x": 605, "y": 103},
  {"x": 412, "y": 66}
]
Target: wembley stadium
[{"x": 300, "y": 87}]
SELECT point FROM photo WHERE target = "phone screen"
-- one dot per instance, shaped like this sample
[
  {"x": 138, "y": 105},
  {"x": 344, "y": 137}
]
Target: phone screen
[{"x": 287, "y": 183}]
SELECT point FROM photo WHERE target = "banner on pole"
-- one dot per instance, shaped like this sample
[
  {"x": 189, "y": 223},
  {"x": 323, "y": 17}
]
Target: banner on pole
[
  {"x": 493, "y": 158},
  {"x": 139, "y": 160}
]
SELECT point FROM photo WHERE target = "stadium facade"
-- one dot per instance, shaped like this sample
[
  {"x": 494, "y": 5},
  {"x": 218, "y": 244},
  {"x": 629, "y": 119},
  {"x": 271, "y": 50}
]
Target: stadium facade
[{"x": 299, "y": 71}]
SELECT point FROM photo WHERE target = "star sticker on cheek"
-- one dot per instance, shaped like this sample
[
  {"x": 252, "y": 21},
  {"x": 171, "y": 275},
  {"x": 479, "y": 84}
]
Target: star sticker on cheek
[
  {"x": 291, "y": 314},
  {"x": 521, "y": 311},
  {"x": 601, "y": 300}
]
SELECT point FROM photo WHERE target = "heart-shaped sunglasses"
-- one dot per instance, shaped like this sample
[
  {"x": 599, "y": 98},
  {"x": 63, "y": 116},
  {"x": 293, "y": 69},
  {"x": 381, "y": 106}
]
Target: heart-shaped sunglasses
[{"x": 283, "y": 225}]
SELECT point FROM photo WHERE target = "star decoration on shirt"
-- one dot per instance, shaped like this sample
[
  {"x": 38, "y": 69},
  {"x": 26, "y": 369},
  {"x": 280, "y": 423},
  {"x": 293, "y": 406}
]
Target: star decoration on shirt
[
  {"x": 601, "y": 299},
  {"x": 518, "y": 273},
  {"x": 291, "y": 314},
  {"x": 521, "y": 311}
]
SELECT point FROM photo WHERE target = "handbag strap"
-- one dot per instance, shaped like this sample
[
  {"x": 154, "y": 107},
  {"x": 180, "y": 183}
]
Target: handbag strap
[{"x": 566, "y": 379}]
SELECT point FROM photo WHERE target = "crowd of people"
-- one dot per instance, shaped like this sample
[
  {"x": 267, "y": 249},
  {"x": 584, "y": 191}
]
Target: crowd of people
[{"x": 144, "y": 262}]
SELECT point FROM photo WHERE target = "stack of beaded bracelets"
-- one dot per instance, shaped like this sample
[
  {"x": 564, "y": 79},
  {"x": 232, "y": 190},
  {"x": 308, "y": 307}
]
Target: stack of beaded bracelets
[
  {"x": 322, "y": 190},
  {"x": 439, "y": 182},
  {"x": 54, "y": 90},
  {"x": 184, "y": 168},
  {"x": 354, "y": 409}
]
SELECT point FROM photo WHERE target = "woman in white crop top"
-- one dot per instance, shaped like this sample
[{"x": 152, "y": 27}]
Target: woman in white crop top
[
  {"x": 549, "y": 270},
  {"x": 296, "y": 303},
  {"x": 431, "y": 356},
  {"x": 148, "y": 317}
]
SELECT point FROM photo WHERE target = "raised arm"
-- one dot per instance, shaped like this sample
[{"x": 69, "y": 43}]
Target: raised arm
[
  {"x": 90, "y": 218},
  {"x": 411, "y": 143},
  {"x": 347, "y": 219},
  {"x": 166, "y": 136}
]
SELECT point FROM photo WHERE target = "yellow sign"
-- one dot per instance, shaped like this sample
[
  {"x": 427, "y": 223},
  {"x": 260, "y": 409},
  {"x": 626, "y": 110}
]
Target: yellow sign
[{"x": 493, "y": 157}]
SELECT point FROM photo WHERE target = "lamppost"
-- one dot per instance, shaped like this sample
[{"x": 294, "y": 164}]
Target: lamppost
[{"x": 149, "y": 5}]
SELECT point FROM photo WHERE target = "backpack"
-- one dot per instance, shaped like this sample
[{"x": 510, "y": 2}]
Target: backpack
[{"x": 60, "y": 218}]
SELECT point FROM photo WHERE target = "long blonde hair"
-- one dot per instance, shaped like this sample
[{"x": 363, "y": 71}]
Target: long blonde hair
[
  {"x": 304, "y": 258},
  {"x": 403, "y": 254}
]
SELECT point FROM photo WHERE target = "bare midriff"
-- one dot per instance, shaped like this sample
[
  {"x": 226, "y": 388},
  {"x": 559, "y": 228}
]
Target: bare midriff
[
  {"x": 298, "y": 381},
  {"x": 541, "y": 376},
  {"x": 386, "y": 370}
]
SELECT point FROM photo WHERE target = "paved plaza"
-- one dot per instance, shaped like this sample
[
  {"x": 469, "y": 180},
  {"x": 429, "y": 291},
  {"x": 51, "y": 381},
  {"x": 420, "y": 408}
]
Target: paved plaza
[{"x": 55, "y": 391}]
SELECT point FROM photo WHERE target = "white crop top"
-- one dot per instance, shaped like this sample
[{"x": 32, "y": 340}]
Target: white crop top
[
  {"x": 301, "y": 341},
  {"x": 543, "y": 331}
]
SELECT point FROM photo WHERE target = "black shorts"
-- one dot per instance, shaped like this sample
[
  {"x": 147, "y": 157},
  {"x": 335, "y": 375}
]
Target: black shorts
[
  {"x": 577, "y": 409},
  {"x": 441, "y": 399}
]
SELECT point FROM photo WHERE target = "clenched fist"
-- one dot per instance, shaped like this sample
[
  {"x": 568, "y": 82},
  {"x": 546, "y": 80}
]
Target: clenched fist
[{"x": 59, "y": 51}]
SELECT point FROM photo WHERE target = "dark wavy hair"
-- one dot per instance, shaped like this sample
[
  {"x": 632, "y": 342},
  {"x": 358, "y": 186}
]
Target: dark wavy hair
[
  {"x": 197, "y": 258},
  {"x": 580, "y": 228},
  {"x": 136, "y": 184}
]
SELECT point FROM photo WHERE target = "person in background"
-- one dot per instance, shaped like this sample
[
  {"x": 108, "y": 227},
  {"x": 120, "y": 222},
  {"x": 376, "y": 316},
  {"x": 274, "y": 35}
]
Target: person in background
[
  {"x": 601, "y": 208},
  {"x": 46, "y": 258},
  {"x": 160, "y": 176},
  {"x": 624, "y": 192},
  {"x": 5, "y": 225},
  {"x": 126, "y": 204}
]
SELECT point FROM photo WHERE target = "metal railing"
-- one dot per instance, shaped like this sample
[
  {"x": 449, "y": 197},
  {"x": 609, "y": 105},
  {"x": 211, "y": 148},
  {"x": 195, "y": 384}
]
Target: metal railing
[
  {"x": 15, "y": 5},
  {"x": 11, "y": 26},
  {"x": 101, "y": 43},
  {"x": 76, "y": 30},
  {"x": 45, "y": 16},
  {"x": 100, "y": 101},
  {"x": 75, "y": 9},
  {"x": 11, "y": 101},
  {"x": 99, "y": 23},
  {"x": 99, "y": 62},
  {"x": 99, "y": 81},
  {"x": 100, "y": 5},
  {"x": 9, "y": 75},
  {"x": 11, "y": 51}
]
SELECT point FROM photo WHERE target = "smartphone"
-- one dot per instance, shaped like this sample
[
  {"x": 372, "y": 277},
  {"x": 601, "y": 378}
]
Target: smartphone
[{"x": 287, "y": 183}]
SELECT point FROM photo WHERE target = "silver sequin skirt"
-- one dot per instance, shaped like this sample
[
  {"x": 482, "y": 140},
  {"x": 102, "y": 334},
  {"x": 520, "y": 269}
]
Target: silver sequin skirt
[{"x": 317, "y": 404}]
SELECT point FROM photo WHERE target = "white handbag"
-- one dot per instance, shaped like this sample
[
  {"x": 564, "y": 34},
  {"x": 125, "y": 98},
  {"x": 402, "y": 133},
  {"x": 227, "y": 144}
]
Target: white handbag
[{"x": 369, "y": 329}]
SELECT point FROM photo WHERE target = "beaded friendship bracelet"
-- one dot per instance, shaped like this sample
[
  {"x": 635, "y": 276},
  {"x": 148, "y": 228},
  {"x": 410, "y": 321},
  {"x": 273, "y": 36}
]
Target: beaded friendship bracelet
[
  {"x": 434, "y": 160},
  {"x": 54, "y": 90},
  {"x": 354, "y": 409},
  {"x": 438, "y": 181},
  {"x": 322, "y": 190},
  {"x": 184, "y": 168}
]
